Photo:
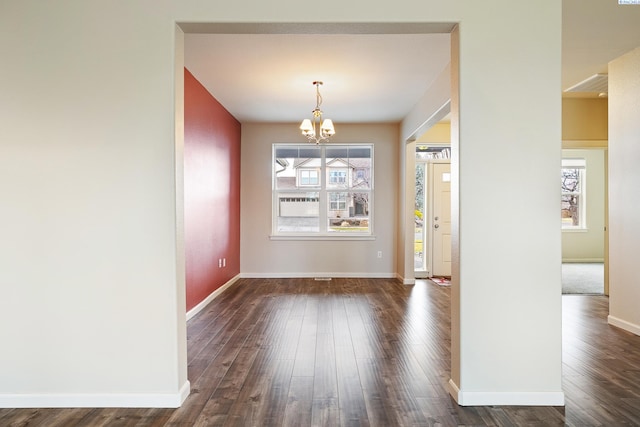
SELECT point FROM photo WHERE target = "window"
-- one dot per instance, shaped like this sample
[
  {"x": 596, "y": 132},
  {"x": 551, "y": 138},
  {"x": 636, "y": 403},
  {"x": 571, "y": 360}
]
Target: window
[
  {"x": 322, "y": 190},
  {"x": 337, "y": 177},
  {"x": 573, "y": 194},
  {"x": 337, "y": 201},
  {"x": 309, "y": 177}
]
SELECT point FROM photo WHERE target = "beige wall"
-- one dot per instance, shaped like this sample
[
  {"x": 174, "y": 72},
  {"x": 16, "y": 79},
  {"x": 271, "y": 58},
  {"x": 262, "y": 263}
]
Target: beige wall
[
  {"x": 440, "y": 133},
  {"x": 624, "y": 182},
  {"x": 263, "y": 257},
  {"x": 584, "y": 119}
]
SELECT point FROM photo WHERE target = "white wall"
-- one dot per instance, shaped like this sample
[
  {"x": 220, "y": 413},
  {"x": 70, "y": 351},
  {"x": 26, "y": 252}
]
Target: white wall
[
  {"x": 500, "y": 325},
  {"x": 588, "y": 245},
  {"x": 624, "y": 182},
  {"x": 92, "y": 307},
  {"x": 432, "y": 107},
  {"x": 89, "y": 247},
  {"x": 261, "y": 256}
]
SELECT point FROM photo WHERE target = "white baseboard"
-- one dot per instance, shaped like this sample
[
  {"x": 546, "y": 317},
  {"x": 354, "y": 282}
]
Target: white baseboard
[
  {"x": 406, "y": 280},
  {"x": 115, "y": 400},
  {"x": 312, "y": 275},
  {"x": 481, "y": 398},
  {"x": 583, "y": 260},
  {"x": 623, "y": 324},
  {"x": 195, "y": 310},
  {"x": 453, "y": 390},
  {"x": 185, "y": 390}
]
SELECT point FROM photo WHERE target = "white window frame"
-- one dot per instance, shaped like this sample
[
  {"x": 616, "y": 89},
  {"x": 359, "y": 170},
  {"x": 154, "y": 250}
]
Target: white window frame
[
  {"x": 579, "y": 164},
  {"x": 323, "y": 189}
]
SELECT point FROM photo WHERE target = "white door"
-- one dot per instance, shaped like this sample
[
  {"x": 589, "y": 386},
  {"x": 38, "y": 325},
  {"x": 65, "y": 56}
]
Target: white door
[{"x": 441, "y": 220}]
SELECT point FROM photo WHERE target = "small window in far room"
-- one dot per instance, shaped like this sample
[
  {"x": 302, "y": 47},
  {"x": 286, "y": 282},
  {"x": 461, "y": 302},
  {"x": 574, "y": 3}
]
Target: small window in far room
[
  {"x": 573, "y": 187},
  {"x": 322, "y": 191}
]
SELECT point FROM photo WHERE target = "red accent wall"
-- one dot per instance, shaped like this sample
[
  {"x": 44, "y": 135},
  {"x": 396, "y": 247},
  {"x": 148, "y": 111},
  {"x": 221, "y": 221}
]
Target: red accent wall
[{"x": 211, "y": 192}]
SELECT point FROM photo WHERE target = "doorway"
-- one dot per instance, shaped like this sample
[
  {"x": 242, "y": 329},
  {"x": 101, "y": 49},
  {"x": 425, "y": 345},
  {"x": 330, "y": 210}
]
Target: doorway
[
  {"x": 432, "y": 215},
  {"x": 584, "y": 220}
]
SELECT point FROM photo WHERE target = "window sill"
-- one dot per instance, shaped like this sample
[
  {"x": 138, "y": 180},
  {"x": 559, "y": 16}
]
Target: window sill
[
  {"x": 575, "y": 230},
  {"x": 340, "y": 237}
]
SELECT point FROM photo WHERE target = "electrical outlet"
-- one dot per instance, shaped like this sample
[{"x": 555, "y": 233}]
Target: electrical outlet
[
  {"x": 219, "y": 262},
  {"x": 379, "y": 254}
]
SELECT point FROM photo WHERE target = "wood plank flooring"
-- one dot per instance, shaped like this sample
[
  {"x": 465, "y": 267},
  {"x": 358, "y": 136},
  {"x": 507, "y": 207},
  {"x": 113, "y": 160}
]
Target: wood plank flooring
[{"x": 362, "y": 352}]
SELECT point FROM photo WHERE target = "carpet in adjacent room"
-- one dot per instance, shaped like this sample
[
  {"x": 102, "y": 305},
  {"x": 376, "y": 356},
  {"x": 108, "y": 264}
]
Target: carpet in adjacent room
[{"x": 583, "y": 278}]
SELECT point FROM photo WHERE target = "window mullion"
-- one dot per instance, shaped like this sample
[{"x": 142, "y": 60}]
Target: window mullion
[{"x": 324, "y": 202}]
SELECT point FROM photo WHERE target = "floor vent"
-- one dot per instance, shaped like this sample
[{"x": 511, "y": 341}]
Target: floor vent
[
  {"x": 596, "y": 83},
  {"x": 323, "y": 279}
]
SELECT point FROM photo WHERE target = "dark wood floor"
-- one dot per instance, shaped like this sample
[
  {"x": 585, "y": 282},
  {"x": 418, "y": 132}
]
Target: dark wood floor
[{"x": 357, "y": 352}]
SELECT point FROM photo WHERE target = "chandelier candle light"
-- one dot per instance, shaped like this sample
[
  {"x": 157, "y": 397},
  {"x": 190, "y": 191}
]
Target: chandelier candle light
[{"x": 309, "y": 127}]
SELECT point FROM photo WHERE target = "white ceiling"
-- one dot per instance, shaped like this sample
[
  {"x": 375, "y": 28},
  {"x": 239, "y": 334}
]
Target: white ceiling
[
  {"x": 372, "y": 77},
  {"x": 594, "y": 32},
  {"x": 269, "y": 77}
]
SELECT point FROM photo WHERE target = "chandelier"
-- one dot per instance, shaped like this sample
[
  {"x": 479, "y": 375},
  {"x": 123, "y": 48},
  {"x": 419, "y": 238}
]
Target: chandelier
[{"x": 310, "y": 127}]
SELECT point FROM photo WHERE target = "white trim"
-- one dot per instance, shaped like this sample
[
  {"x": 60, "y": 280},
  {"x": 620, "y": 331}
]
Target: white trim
[
  {"x": 574, "y": 162},
  {"x": 575, "y": 230},
  {"x": 623, "y": 324},
  {"x": 583, "y": 260},
  {"x": 491, "y": 398},
  {"x": 334, "y": 236},
  {"x": 317, "y": 274},
  {"x": 184, "y": 392},
  {"x": 195, "y": 310},
  {"x": 585, "y": 144},
  {"x": 115, "y": 400},
  {"x": 405, "y": 280}
]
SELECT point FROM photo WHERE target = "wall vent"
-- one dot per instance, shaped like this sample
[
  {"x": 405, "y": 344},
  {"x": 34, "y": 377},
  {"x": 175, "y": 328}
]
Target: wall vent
[{"x": 596, "y": 83}]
